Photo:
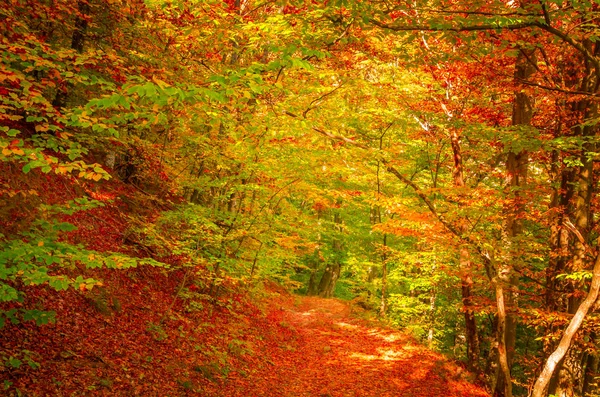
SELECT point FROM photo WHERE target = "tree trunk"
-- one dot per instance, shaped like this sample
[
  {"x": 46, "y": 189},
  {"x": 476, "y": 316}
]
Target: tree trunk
[
  {"x": 77, "y": 41},
  {"x": 384, "y": 271},
  {"x": 329, "y": 279},
  {"x": 571, "y": 369},
  {"x": 571, "y": 375},
  {"x": 431, "y": 318},
  {"x": 464, "y": 261},
  {"x": 516, "y": 178},
  {"x": 332, "y": 270},
  {"x": 471, "y": 333},
  {"x": 313, "y": 286},
  {"x": 540, "y": 387},
  {"x": 591, "y": 372},
  {"x": 503, "y": 358}
]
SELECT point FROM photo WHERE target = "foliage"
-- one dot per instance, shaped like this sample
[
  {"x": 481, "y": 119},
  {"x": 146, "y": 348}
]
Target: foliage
[
  {"x": 39, "y": 257},
  {"x": 428, "y": 160}
]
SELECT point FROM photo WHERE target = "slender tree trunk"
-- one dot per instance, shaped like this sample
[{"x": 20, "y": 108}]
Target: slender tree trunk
[
  {"x": 471, "y": 333},
  {"x": 432, "y": 298},
  {"x": 377, "y": 219},
  {"x": 503, "y": 357},
  {"x": 384, "y": 271},
  {"x": 466, "y": 281}
]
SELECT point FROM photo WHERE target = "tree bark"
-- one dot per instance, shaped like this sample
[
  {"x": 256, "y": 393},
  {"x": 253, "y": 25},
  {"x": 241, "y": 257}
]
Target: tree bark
[
  {"x": 329, "y": 279},
  {"x": 503, "y": 357},
  {"x": 464, "y": 261},
  {"x": 541, "y": 385},
  {"x": 516, "y": 178}
]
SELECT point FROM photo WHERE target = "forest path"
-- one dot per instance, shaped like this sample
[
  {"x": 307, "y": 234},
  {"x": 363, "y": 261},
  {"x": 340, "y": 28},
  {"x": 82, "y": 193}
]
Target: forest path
[{"x": 329, "y": 353}]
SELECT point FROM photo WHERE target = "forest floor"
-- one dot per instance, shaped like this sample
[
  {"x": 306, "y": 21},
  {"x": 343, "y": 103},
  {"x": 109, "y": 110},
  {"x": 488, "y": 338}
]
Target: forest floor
[
  {"x": 275, "y": 344},
  {"x": 331, "y": 352}
]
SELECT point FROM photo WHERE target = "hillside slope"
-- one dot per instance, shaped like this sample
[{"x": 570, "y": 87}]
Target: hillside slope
[{"x": 140, "y": 344}]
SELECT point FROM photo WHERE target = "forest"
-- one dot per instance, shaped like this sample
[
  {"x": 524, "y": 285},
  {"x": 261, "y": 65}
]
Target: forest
[{"x": 185, "y": 183}]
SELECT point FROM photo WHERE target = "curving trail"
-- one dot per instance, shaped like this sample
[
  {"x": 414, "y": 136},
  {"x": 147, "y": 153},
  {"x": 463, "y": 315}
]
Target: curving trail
[{"x": 324, "y": 352}]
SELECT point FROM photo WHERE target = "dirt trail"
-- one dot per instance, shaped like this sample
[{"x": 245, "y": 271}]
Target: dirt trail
[{"x": 328, "y": 353}]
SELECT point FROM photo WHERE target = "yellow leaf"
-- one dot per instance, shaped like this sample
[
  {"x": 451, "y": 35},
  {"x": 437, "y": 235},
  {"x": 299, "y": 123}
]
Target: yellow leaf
[
  {"x": 20, "y": 152},
  {"x": 159, "y": 82},
  {"x": 6, "y": 151},
  {"x": 97, "y": 177},
  {"x": 41, "y": 244}
]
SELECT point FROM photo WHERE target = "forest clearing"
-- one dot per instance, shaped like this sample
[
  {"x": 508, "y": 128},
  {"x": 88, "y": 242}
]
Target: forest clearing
[{"x": 246, "y": 197}]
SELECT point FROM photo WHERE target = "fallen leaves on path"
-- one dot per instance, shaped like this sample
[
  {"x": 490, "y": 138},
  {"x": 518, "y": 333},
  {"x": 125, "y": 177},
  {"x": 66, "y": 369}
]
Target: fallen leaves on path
[
  {"x": 327, "y": 353},
  {"x": 292, "y": 347}
]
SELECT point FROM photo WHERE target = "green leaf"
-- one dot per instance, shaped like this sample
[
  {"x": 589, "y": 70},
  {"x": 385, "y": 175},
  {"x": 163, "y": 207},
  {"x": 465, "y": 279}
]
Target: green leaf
[
  {"x": 14, "y": 362},
  {"x": 40, "y": 317},
  {"x": 59, "y": 283}
]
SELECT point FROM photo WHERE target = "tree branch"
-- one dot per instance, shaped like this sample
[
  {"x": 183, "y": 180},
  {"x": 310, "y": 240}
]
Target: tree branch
[
  {"x": 310, "y": 105},
  {"x": 467, "y": 28},
  {"x": 545, "y": 25}
]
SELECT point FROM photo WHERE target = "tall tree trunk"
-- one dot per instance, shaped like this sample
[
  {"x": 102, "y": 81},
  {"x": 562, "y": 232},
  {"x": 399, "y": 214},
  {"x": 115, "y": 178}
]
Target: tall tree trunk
[
  {"x": 564, "y": 368},
  {"x": 466, "y": 281},
  {"x": 516, "y": 178},
  {"x": 571, "y": 373},
  {"x": 377, "y": 219}
]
